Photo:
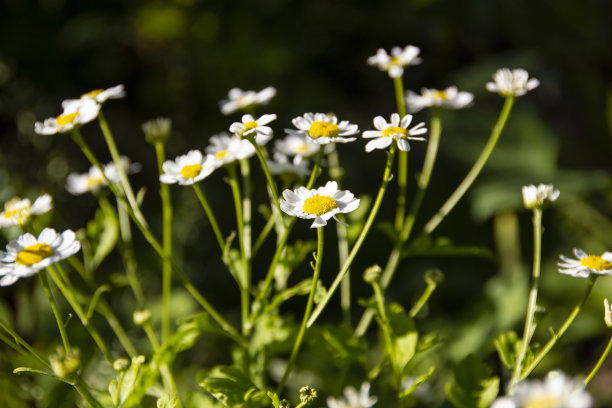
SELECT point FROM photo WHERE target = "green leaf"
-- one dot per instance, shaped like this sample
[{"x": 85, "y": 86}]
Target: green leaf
[
  {"x": 167, "y": 401},
  {"x": 338, "y": 341},
  {"x": 443, "y": 246},
  {"x": 274, "y": 398},
  {"x": 293, "y": 256},
  {"x": 404, "y": 336},
  {"x": 417, "y": 382},
  {"x": 506, "y": 345},
  {"x": 230, "y": 386},
  {"x": 127, "y": 380},
  {"x": 472, "y": 385},
  {"x": 103, "y": 232},
  {"x": 271, "y": 331}
]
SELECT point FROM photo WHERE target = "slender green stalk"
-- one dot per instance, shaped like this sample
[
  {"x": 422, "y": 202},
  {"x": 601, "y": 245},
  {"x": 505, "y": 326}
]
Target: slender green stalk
[
  {"x": 316, "y": 168},
  {"x": 422, "y": 300},
  {"x": 309, "y": 303},
  {"x": 266, "y": 170},
  {"x": 237, "y": 196},
  {"x": 245, "y": 170},
  {"x": 211, "y": 216},
  {"x": 533, "y": 296},
  {"x": 19, "y": 341},
  {"x": 475, "y": 170},
  {"x": 164, "y": 192},
  {"x": 265, "y": 232},
  {"x": 384, "y": 325},
  {"x": 127, "y": 252},
  {"x": 402, "y": 160},
  {"x": 600, "y": 362},
  {"x": 58, "y": 316},
  {"x": 83, "y": 390},
  {"x": 359, "y": 242}
]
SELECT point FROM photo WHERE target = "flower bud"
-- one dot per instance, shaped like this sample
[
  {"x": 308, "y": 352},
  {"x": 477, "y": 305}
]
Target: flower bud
[
  {"x": 121, "y": 364},
  {"x": 157, "y": 130},
  {"x": 142, "y": 317},
  {"x": 372, "y": 274},
  {"x": 538, "y": 197},
  {"x": 308, "y": 394},
  {"x": 63, "y": 364}
]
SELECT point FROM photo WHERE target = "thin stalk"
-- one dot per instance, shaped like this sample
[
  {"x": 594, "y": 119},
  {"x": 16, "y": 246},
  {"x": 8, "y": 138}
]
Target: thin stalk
[
  {"x": 533, "y": 296},
  {"x": 265, "y": 232},
  {"x": 600, "y": 362},
  {"x": 422, "y": 300},
  {"x": 264, "y": 166},
  {"x": 83, "y": 390},
  {"x": 309, "y": 303},
  {"x": 402, "y": 160},
  {"x": 475, "y": 170},
  {"x": 127, "y": 252},
  {"x": 364, "y": 232},
  {"x": 19, "y": 341},
  {"x": 384, "y": 325},
  {"x": 245, "y": 170},
  {"x": 237, "y": 196},
  {"x": 58, "y": 317},
  {"x": 211, "y": 216}
]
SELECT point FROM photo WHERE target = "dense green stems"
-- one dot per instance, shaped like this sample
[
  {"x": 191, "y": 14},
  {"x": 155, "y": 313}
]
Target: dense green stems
[
  {"x": 265, "y": 232},
  {"x": 364, "y": 232},
  {"x": 600, "y": 362},
  {"x": 264, "y": 166},
  {"x": 127, "y": 252},
  {"x": 211, "y": 216},
  {"x": 164, "y": 192},
  {"x": 20, "y": 342},
  {"x": 556, "y": 336},
  {"x": 533, "y": 296},
  {"x": 402, "y": 160},
  {"x": 384, "y": 324},
  {"x": 475, "y": 170},
  {"x": 83, "y": 390},
  {"x": 245, "y": 170},
  {"x": 309, "y": 303},
  {"x": 237, "y": 196},
  {"x": 58, "y": 317}
]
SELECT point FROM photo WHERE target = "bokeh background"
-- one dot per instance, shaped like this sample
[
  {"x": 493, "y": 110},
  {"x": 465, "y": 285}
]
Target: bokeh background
[{"x": 179, "y": 58}]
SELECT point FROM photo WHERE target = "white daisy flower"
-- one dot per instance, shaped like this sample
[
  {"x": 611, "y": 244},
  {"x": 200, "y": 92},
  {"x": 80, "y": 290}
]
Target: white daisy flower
[
  {"x": 225, "y": 148},
  {"x": 250, "y": 126},
  {"x": 237, "y": 99},
  {"x": 78, "y": 184},
  {"x": 352, "y": 399},
  {"x": 512, "y": 83},
  {"x": 538, "y": 196},
  {"x": 395, "y": 130},
  {"x": 281, "y": 164},
  {"x": 187, "y": 169},
  {"x": 18, "y": 211},
  {"x": 450, "y": 98},
  {"x": 323, "y": 129},
  {"x": 586, "y": 264},
  {"x": 394, "y": 64},
  {"x": 296, "y": 145},
  {"x": 76, "y": 112},
  {"x": 98, "y": 95},
  {"x": 27, "y": 254},
  {"x": 556, "y": 391},
  {"x": 320, "y": 204}
]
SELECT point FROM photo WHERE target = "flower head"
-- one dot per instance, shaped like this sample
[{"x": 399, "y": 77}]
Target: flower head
[
  {"x": 395, "y": 130},
  {"x": 19, "y": 210},
  {"x": 100, "y": 95},
  {"x": 296, "y": 145},
  {"x": 249, "y": 126},
  {"x": 237, "y": 99},
  {"x": 320, "y": 204},
  {"x": 538, "y": 196},
  {"x": 76, "y": 112},
  {"x": 225, "y": 148},
  {"x": 352, "y": 399},
  {"x": 512, "y": 83},
  {"x": 78, "y": 184},
  {"x": 157, "y": 130},
  {"x": 323, "y": 129},
  {"x": 187, "y": 169},
  {"x": 281, "y": 164},
  {"x": 586, "y": 264},
  {"x": 556, "y": 391},
  {"x": 26, "y": 255},
  {"x": 450, "y": 98},
  {"x": 394, "y": 64}
]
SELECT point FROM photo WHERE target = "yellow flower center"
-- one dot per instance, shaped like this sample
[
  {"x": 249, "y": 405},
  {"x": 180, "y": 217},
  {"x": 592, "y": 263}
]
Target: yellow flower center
[
  {"x": 93, "y": 182},
  {"x": 323, "y": 129},
  {"x": 596, "y": 263},
  {"x": 65, "y": 119},
  {"x": 302, "y": 148},
  {"x": 319, "y": 205},
  {"x": 439, "y": 95},
  {"x": 546, "y": 401},
  {"x": 92, "y": 94},
  {"x": 191, "y": 170},
  {"x": 248, "y": 126},
  {"x": 20, "y": 213},
  {"x": 395, "y": 61},
  {"x": 220, "y": 155},
  {"x": 33, "y": 254},
  {"x": 394, "y": 130}
]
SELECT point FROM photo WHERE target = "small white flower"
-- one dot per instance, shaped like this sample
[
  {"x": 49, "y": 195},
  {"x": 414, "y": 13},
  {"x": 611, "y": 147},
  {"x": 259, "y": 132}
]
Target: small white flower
[
  {"x": 187, "y": 169},
  {"x": 18, "y": 211},
  {"x": 281, "y": 164},
  {"x": 512, "y": 83},
  {"x": 586, "y": 264},
  {"x": 98, "y": 95},
  {"x": 394, "y": 64},
  {"x": 352, "y": 399},
  {"x": 607, "y": 313},
  {"x": 27, "y": 254},
  {"x": 395, "y": 130},
  {"x": 323, "y": 129},
  {"x": 450, "y": 98},
  {"x": 556, "y": 391},
  {"x": 76, "y": 112},
  {"x": 297, "y": 145},
  {"x": 237, "y": 99},
  {"x": 225, "y": 148},
  {"x": 250, "y": 126},
  {"x": 321, "y": 204},
  {"x": 78, "y": 184},
  {"x": 538, "y": 196}
]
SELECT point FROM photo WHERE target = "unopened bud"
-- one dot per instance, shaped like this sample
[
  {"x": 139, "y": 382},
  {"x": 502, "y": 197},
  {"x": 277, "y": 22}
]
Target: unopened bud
[
  {"x": 308, "y": 394},
  {"x": 434, "y": 277},
  {"x": 372, "y": 274},
  {"x": 142, "y": 317},
  {"x": 63, "y": 364},
  {"x": 284, "y": 404},
  {"x": 157, "y": 130},
  {"x": 121, "y": 364}
]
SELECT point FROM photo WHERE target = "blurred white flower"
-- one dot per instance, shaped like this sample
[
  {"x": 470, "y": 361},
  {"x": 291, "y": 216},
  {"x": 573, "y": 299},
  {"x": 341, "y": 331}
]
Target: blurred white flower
[
  {"x": 18, "y": 211},
  {"x": 397, "y": 130},
  {"x": 538, "y": 196},
  {"x": 281, "y": 164},
  {"x": 586, "y": 264},
  {"x": 187, "y": 169},
  {"x": 237, "y": 99},
  {"x": 512, "y": 83},
  {"x": 98, "y": 95},
  {"x": 81, "y": 183},
  {"x": 250, "y": 126},
  {"x": 450, "y": 98},
  {"x": 225, "y": 148},
  {"x": 352, "y": 399},
  {"x": 323, "y": 129},
  {"x": 297, "y": 145},
  {"x": 394, "y": 64},
  {"x": 76, "y": 112}
]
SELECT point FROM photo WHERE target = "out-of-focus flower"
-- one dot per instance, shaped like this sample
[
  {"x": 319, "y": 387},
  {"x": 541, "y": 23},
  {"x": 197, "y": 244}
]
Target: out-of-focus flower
[
  {"x": 281, "y": 164},
  {"x": 251, "y": 127},
  {"x": 395, "y": 130},
  {"x": 18, "y": 211},
  {"x": 65, "y": 363},
  {"x": 539, "y": 196},
  {"x": 76, "y": 112},
  {"x": 450, "y": 98},
  {"x": 512, "y": 83},
  {"x": 187, "y": 169},
  {"x": 237, "y": 99},
  {"x": 78, "y": 184},
  {"x": 98, "y": 95},
  {"x": 297, "y": 145},
  {"x": 323, "y": 129},
  {"x": 394, "y": 64},
  {"x": 157, "y": 130},
  {"x": 225, "y": 148},
  {"x": 352, "y": 399},
  {"x": 586, "y": 264}
]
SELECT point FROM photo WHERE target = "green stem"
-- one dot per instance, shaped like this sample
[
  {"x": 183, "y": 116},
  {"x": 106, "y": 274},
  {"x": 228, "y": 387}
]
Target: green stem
[
  {"x": 127, "y": 252},
  {"x": 364, "y": 232},
  {"x": 475, "y": 170},
  {"x": 211, "y": 216},
  {"x": 245, "y": 170},
  {"x": 533, "y": 296},
  {"x": 600, "y": 362},
  {"x": 402, "y": 160},
  {"x": 309, "y": 303},
  {"x": 422, "y": 300},
  {"x": 83, "y": 390},
  {"x": 264, "y": 166},
  {"x": 265, "y": 232},
  {"x": 384, "y": 325},
  {"x": 58, "y": 317},
  {"x": 235, "y": 186}
]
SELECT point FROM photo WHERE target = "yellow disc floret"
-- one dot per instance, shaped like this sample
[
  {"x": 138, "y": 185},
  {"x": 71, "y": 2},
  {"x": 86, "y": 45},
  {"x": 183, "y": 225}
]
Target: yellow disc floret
[
  {"x": 33, "y": 254},
  {"x": 319, "y": 205},
  {"x": 439, "y": 95},
  {"x": 248, "y": 126},
  {"x": 92, "y": 94},
  {"x": 394, "y": 130},
  {"x": 66, "y": 119},
  {"x": 220, "y": 155},
  {"x": 323, "y": 129},
  {"x": 546, "y": 401},
  {"x": 596, "y": 263},
  {"x": 191, "y": 170}
]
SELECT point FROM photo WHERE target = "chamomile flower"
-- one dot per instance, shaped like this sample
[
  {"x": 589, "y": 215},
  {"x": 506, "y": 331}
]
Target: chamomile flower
[
  {"x": 450, "y": 98},
  {"x": 538, "y": 196},
  {"x": 187, "y": 169},
  {"x": 27, "y": 254},
  {"x": 296, "y": 145},
  {"x": 512, "y": 83},
  {"x": 78, "y": 184},
  {"x": 76, "y": 112},
  {"x": 586, "y": 264},
  {"x": 98, "y": 95},
  {"x": 319, "y": 204},
  {"x": 323, "y": 129},
  {"x": 225, "y": 148},
  {"x": 397, "y": 130},
  {"x": 352, "y": 399},
  {"x": 18, "y": 211},
  {"x": 237, "y": 99},
  {"x": 394, "y": 64},
  {"x": 249, "y": 126},
  {"x": 556, "y": 391},
  {"x": 281, "y": 164}
]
